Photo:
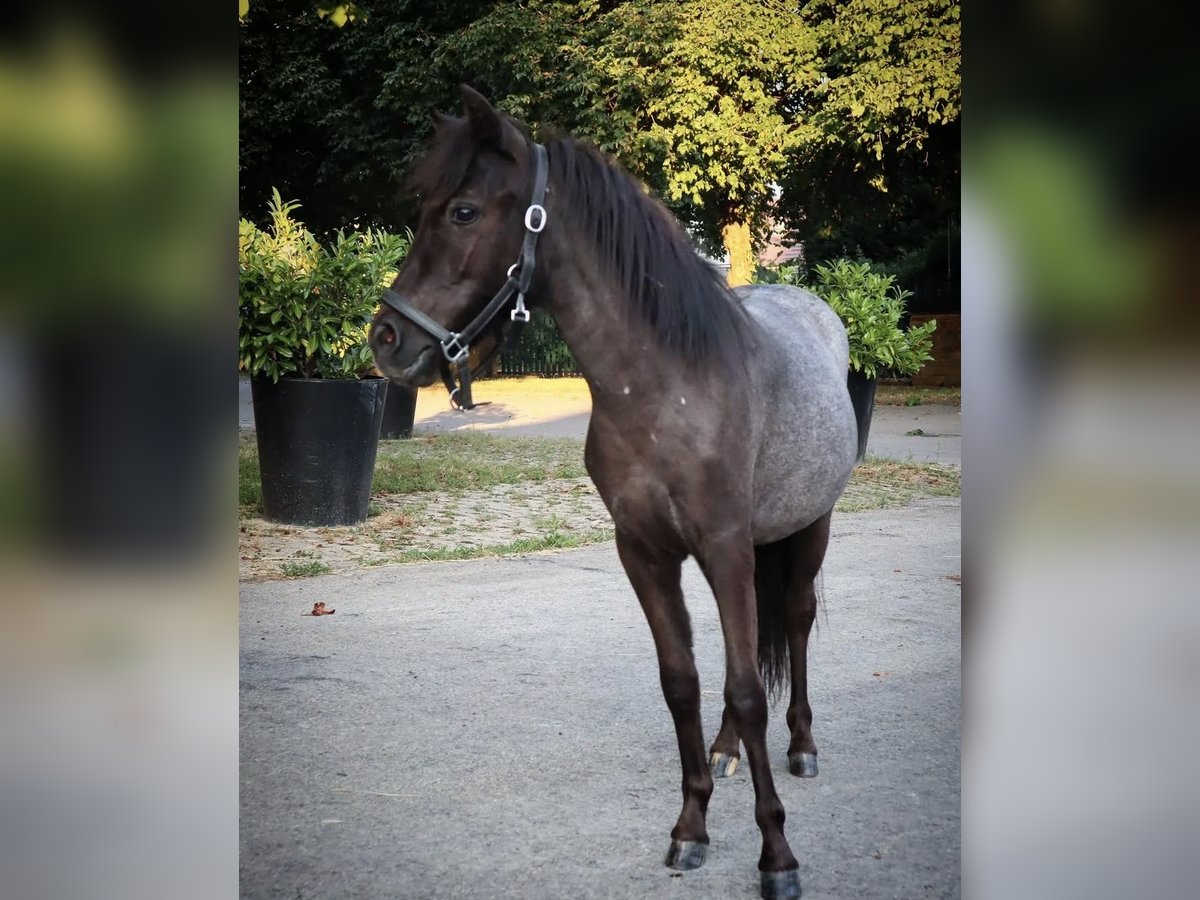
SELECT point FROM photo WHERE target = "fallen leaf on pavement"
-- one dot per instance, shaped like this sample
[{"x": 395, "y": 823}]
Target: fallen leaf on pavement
[{"x": 320, "y": 610}]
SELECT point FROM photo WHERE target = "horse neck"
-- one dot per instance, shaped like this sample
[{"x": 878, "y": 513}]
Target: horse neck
[{"x": 615, "y": 350}]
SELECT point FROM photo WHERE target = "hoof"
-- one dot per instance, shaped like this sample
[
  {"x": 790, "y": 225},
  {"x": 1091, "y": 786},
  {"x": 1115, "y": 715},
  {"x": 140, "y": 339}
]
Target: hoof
[
  {"x": 685, "y": 855},
  {"x": 723, "y": 765},
  {"x": 803, "y": 765},
  {"x": 777, "y": 885}
]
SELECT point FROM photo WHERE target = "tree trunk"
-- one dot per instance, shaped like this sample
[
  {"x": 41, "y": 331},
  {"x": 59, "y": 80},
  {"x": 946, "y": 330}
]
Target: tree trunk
[{"x": 736, "y": 237}]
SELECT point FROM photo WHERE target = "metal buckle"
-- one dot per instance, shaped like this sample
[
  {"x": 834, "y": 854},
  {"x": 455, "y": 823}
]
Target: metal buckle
[
  {"x": 541, "y": 219},
  {"x": 454, "y": 349},
  {"x": 520, "y": 313}
]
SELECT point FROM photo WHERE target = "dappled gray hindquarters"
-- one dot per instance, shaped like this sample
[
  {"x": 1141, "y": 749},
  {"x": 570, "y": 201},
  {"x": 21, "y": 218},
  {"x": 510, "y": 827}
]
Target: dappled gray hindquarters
[{"x": 496, "y": 728}]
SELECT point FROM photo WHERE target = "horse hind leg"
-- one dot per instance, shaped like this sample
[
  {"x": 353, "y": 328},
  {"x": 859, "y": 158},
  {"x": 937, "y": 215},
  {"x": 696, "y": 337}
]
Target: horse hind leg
[
  {"x": 807, "y": 554},
  {"x": 729, "y": 566},
  {"x": 725, "y": 754},
  {"x": 785, "y": 584},
  {"x": 774, "y": 564}
]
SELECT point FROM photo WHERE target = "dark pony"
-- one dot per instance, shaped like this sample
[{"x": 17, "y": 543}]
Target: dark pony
[{"x": 721, "y": 426}]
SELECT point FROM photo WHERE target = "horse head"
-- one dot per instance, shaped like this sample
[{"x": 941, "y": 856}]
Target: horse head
[{"x": 474, "y": 185}]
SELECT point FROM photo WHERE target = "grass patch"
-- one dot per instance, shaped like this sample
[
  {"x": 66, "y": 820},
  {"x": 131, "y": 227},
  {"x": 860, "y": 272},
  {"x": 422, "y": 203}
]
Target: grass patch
[
  {"x": 474, "y": 461},
  {"x": 442, "y": 462},
  {"x": 907, "y": 395},
  {"x": 883, "y": 483},
  {"x": 549, "y": 513},
  {"x": 249, "y": 483},
  {"x": 554, "y": 541},
  {"x": 305, "y": 569}
]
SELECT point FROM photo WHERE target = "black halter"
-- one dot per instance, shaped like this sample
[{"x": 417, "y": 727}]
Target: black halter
[{"x": 456, "y": 346}]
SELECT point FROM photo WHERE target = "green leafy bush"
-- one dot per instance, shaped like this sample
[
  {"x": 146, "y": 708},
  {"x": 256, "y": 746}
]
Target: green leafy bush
[
  {"x": 788, "y": 273},
  {"x": 304, "y": 308},
  {"x": 871, "y": 306}
]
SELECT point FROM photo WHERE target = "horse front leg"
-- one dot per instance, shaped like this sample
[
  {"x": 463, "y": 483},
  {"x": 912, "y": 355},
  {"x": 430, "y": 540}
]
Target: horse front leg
[
  {"x": 655, "y": 580},
  {"x": 729, "y": 567}
]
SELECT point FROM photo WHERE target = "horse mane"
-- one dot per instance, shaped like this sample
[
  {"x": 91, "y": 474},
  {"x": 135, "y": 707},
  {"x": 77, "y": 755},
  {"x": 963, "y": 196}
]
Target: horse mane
[{"x": 684, "y": 300}]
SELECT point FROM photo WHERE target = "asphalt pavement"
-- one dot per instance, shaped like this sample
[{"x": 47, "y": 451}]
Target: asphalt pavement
[{"x": 495, "y": 729}]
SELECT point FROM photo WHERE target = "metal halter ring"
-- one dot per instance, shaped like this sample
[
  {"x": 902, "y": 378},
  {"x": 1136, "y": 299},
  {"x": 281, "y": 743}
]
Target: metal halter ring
[
  {"x": 541, "y": 219},
  {"x": 453, "y": 348},
  {"x": 513, "y": 268}
]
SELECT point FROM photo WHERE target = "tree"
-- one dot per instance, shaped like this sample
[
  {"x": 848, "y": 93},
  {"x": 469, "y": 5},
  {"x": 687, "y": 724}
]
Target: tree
[
  {"x": 319, "y": 117},
  {"x": 880, "y": 177},
  {"x": 689, "y": 96},
  {"x": 851, "y": 108}
]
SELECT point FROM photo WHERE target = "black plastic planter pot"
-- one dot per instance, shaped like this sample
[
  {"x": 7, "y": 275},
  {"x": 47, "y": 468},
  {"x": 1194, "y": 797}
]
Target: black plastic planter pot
[
  {"x": 316, "y": 447},
  {"x": 862, "y": 395},
  {"x": 399, "y": 412}
]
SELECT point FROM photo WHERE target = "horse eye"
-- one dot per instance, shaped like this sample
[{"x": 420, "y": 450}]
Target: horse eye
[{"x": 463, "y": 215}]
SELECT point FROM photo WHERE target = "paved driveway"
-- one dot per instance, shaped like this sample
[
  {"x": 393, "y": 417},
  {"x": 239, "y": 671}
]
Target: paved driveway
[{"x": 494, "y": 729}]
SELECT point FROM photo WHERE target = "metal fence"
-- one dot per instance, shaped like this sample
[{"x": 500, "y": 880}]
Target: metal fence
[{"x": 541, "y": 351}]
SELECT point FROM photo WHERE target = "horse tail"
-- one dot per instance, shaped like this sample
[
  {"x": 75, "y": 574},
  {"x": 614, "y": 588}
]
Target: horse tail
[{"x": 773, "y": 565}]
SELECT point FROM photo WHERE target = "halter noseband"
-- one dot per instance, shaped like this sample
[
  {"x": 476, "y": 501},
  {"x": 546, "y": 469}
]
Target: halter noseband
[{"x": 456, "y": 346}]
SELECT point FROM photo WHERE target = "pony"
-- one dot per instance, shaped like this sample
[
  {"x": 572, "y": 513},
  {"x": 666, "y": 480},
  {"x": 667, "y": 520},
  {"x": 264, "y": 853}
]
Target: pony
[{"x": 721, "y": 424}]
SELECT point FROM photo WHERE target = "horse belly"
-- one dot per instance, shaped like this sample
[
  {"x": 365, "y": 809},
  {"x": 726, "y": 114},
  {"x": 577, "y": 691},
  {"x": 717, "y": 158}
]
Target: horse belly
[
  {"x": 783, "y": 507},
  {"x": 805, "y": 458}
]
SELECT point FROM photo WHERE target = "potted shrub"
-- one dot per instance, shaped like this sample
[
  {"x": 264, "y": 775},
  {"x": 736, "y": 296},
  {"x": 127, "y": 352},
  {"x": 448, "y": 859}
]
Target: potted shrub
[
  {"x": 871, "y": 307},
  {"x": 303, "y": 313}
]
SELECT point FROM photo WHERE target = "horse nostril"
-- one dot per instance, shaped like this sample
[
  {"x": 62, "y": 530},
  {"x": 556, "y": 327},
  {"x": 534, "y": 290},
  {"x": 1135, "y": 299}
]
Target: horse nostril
[{"x": 386, "y": 333}]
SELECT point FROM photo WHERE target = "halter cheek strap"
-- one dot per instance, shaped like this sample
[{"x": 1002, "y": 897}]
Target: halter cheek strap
[{"x": 456, "y": 346}]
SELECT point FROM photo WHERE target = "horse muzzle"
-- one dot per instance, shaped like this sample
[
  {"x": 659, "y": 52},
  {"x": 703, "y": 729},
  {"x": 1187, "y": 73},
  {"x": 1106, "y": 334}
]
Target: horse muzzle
[{"x": 411, "y": 359}]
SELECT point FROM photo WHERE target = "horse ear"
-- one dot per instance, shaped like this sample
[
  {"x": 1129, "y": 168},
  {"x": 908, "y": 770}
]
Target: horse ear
[
  {"x": 441, "y": 120},
  {"x": 482, "y": 116}
]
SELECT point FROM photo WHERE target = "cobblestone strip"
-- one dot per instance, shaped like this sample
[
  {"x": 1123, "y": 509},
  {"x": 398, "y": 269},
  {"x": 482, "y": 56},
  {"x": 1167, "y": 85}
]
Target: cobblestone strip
[{"x": 430, "y": 522}]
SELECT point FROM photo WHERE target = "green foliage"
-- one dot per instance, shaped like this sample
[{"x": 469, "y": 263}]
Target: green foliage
[
  {"x": 871, "y": 306},
  {"x": 851, "y": 107},
  {"x": 706, "y": 81},
  {"x": 785, "y": 274},
  {"x": 333, "y": 116},
  {"x": 881, "y": 179},
  {"x": 692, "y": 97},
  {"x": 304, "y": 308},
  {"x": 339, "y": 14},
  {"x": 891, "y": 71}
]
